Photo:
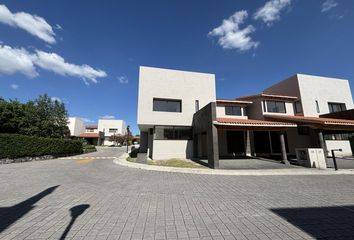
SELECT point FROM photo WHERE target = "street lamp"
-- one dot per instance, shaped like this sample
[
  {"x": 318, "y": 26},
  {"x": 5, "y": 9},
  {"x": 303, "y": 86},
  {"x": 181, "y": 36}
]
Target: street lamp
[{"x": 126, "y": 139}]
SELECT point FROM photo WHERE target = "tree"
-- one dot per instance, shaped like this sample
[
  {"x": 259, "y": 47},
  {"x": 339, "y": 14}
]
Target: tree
[
  {"x": 118, "y": 139},
  {"x": 42, "y": 117}
]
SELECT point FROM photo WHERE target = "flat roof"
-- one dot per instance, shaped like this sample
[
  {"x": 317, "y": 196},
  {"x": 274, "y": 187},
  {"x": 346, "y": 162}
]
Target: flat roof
[
  {"x": 267, "y": 96},
  {"x": 233, "y": 101}
]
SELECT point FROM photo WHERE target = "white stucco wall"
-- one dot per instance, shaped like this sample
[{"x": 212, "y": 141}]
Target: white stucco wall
[
  {"x": 324, "y": 90},
  {"x": 336, "y": 144},
  {"x": 172, "y": 84},
  {"x": 220, "y": 111},
  {"x": 168, "y": 149},
  {"x": 76, "y": 126},
  {"x": 105, "y": 124}
]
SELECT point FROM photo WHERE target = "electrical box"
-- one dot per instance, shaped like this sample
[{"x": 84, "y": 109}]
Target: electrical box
[{"x": 311, "y": 157}]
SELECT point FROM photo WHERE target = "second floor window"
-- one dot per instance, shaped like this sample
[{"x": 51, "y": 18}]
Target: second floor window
[
  {"x": 233, "y": 110},
  {"x": 298, "y": 107},
  {"x": 90, "y": 130},
  {"x": 336, "y": 107},
  {"x": 167, "y": 105},
  {"x": 275, "y": 106},
  {"x": 113, "y": 130}
]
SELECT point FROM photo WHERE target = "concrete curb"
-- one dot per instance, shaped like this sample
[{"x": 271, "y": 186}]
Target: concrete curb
[{"x": 252, "y": 172}]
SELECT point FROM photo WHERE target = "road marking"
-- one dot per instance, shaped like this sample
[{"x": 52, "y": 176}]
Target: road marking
[
  {"x": 86, "y": 160},
  {"x": 78, "y": 158}
]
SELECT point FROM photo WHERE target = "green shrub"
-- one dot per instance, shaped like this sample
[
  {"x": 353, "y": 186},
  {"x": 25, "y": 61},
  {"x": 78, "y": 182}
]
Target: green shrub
[
  {"x": 87, "y": 146},
  {"x": 15, "y": 146}
]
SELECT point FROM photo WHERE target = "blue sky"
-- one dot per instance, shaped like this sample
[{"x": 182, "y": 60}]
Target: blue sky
[{"x": 88, "y": 53}]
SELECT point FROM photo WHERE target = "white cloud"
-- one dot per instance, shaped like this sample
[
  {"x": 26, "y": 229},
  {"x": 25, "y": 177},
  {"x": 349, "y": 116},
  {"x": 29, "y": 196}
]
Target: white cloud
[
  {"x": 14, "y": 60},
  {"x": 55, "y": 63},
  {"x": 270, "y": 12},
  {"x": 33, "y": 24},
  {"x": 123, "y": 79},
  {"x": 57, "y": 26},
  {"x": 14, "y": 86},
  {"x": 328, "y": 5},
  {"x": 230, "y": 36},
  {"x": 56, "y": 99},
  {"x": 107, "y": 117}
]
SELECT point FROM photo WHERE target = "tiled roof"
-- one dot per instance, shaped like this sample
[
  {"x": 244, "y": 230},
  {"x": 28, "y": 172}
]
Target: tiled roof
[
  {"x": 91, "y": 127},
  {"x": 268, "y": 96},
  {"x": 251, "y": 122},
  {"x": 314, "y": 120},
  {"x": 89, "y": 135},
  {"x": 232, "y": 101}
]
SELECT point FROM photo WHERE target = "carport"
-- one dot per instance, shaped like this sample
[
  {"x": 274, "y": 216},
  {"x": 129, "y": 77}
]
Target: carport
[
  {"x": 207, "y": 128},
  {"x": 249, "y": 137},
  {"x": 319, "y": 125}
]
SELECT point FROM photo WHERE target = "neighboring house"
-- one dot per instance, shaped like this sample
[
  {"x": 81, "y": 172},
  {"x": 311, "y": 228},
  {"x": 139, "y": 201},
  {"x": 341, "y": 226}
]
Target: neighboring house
[
  {"x": 76, "y": 126},
  {"x": 180, "y": 117},
  {"x": 92, "y": 136},
  {"x": 111, "y": 127}
]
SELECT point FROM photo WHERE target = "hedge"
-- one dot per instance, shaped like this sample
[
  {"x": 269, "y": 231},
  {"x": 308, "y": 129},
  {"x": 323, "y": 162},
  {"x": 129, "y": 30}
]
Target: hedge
[{"x": 16, "y": 146}]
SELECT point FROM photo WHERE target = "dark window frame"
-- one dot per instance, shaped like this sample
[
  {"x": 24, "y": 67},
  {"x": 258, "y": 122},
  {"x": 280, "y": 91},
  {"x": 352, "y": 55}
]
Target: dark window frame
[
  {"x": 196, "y": 105},
  {"x": 317, "y": 107},
  {"x": 276, "y": 103},
  {"x": 331, "y": 105},
  {"x": 167, "y": 100},
  {"x": 233, "y": 112},
  {"x": 298, "y": 105},
  {"x": 177, "y": 132}
]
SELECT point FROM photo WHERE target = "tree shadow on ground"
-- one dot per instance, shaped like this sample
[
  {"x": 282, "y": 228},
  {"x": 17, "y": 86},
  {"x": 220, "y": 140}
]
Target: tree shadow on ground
[
  {"x": 75, "y": 213},
  {"x": 9, "y": 215},
  {"x": 328, "y": 223}
]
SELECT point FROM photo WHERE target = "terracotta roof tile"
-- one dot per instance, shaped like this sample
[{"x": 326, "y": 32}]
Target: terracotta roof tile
[
  {"x": 89, "y": 135},
  {"x": 315, "y": 120},
  {"x": 91, "y": 127},
  {"x": 252, "y": 122}
]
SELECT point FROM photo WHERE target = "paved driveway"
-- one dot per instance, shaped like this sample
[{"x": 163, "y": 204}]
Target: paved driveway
[{"x": 96, "y": 199}]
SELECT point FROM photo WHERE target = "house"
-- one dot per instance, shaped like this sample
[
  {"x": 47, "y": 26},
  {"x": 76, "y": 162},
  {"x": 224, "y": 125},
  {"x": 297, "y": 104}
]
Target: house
[
  {"x": 96, "y": 134},
  {"x": 180, "y": 117},
  {"x": 110, "y": 127},
  {"x": 167, "y": 102},
  {"x": 92, "y": 136},
  {"x": 76, "y": 126}
]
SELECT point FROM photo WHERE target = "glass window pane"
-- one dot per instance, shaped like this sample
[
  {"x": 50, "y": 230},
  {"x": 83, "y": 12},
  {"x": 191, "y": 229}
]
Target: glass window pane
[{"x": 167, "y": 105}]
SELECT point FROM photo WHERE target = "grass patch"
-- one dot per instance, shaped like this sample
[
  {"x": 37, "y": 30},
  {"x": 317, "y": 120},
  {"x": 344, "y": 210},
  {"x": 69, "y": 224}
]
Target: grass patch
[
  {"x": 175, "y": 163},
  {"x": 131, "y": 159}
]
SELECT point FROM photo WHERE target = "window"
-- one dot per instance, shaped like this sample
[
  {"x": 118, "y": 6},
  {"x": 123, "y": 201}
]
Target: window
[
  {"x": 336, "y": 107},
  {"x": 317, "y": 107},
  {"x": 275, "y": 106},
  {"x": 113, "y": 130},
  {"x": 298, "y": 107},
  {"x": 339, "y": 136},
  {"x": 167, "y": 105},
  {"x": 90, "y": 130},
  {"x": 196, "y": 105},
  {"x": 233, "y": 110},
  {"x": 173, "y": 133}
]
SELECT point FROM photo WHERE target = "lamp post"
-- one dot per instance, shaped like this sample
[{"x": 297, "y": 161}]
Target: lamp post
[{"x": 127, "y": 136}]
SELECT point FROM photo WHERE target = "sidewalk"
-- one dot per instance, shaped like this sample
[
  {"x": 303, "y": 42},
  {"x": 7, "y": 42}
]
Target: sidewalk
[{"x": 242, "y": 172}]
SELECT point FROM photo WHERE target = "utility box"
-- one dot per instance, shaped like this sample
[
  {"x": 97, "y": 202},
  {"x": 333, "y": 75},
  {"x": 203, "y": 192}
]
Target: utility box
[{"x": 311, "y": 157}]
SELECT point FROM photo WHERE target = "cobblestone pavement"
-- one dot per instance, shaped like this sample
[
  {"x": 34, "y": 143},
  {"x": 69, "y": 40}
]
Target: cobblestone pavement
[{"x": 96, "y": 199}]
